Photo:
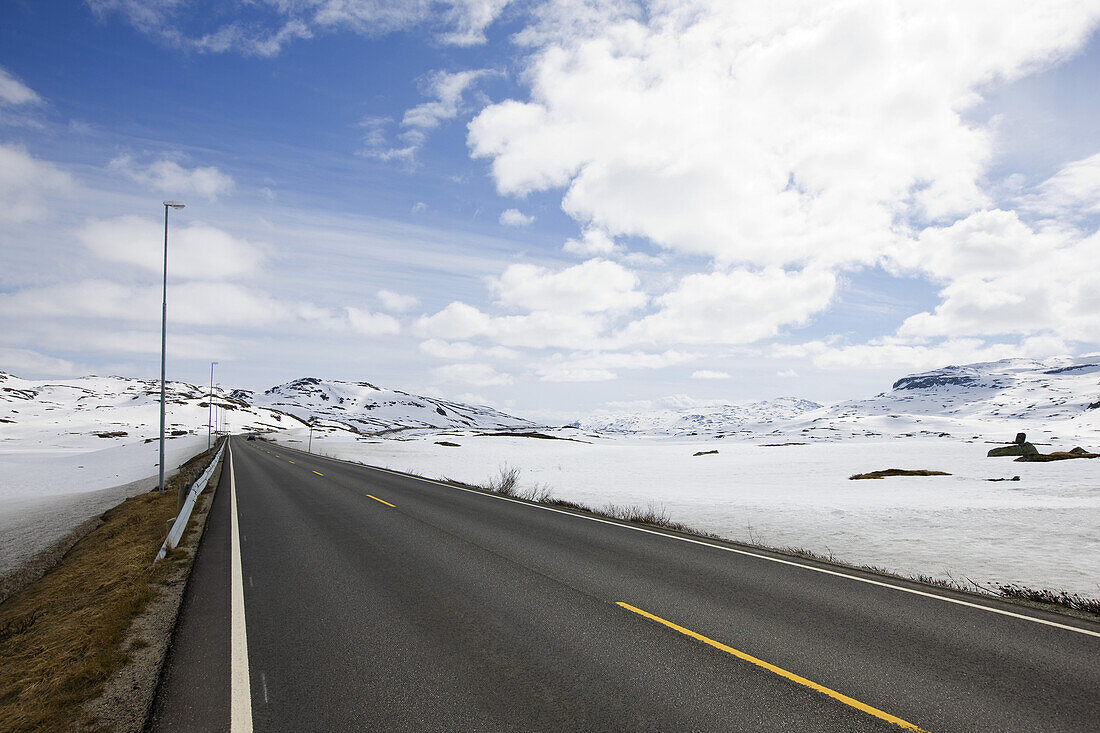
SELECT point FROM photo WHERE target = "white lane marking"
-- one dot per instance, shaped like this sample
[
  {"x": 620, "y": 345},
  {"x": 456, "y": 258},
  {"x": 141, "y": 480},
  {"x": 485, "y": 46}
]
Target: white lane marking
[
  {"x": 263, "y": 680},
  {"x": 825, "y": 571},
  {"x": 240, "y": 705},
  {"x": 250, "y": 581}
]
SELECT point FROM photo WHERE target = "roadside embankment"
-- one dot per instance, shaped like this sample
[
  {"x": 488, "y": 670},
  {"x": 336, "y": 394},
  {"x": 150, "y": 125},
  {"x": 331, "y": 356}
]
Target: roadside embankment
[{"x": 81, "y": 648}]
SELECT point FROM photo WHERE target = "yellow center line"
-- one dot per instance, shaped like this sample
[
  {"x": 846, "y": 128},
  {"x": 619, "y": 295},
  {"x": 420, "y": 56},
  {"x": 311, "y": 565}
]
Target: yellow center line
[
  {"x": 289, "y": 461},
  {"x": 381, "y": 500},
  {"x": 777, "y": 670},
  {"x": 319, "y": 473}
]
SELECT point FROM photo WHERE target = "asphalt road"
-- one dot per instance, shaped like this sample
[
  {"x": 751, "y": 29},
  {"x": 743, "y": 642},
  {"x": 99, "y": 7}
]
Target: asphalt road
[{"x": 375, "y": 601}]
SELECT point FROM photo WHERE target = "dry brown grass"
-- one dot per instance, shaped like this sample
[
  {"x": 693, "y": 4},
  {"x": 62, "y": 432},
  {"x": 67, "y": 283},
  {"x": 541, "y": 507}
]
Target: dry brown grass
[
  {"x": 61, "y": 637},
  {"x": 898, "y": 472}
]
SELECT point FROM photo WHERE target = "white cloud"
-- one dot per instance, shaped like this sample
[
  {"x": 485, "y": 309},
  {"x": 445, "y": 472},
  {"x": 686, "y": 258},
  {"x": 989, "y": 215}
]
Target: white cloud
[
  {"x": 1074, "y": 190},
  {"x": 458, "y": 320},
  {"x": 708, "y": 374},
  {"x": 515, "y": 218},
  {"x": 27, "y": 185},
  {"x": 194, "y": 251},
  {"x": 592, "y": 242},
  {"x": 14, "y": 92},
  {"x": 396, "y": 302},
  {"x": 786, "y": 373},
  {"x": 446, "y": 90},
  {"x": 538, "y": 330},
  {"x": 372, "y": 324},
  {"x": 591, "y": 287},
  {"x": 572, "y": 374},
  {"x": 273, "y": 23},
  {"x": 760, "y": 134},
  {"x": 170, "y": 177},
  {"x": 596, "y": 366},
  {"x": 733, "y": 307},
  {"x": 31, "y": 364},
  {"x": 462, "y": 350},
  {"x": 897, "y": 355},
  {"x": 1005, "y": 277},
  {"x": 479, "y": 375},
  {"x": 419, "y": 207}
]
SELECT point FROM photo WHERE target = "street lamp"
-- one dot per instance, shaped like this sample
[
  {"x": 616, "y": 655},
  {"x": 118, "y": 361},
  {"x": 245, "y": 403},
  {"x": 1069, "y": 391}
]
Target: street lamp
[
  {"x": 163, "y": 345},
  {"x": 309, "y": 448},
  {"x": 210, "y": 406}
]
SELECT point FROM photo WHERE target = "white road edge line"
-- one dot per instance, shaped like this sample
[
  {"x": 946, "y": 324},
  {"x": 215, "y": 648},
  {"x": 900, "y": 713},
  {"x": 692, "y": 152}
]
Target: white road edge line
[
  {"x": 824, "y": 571},
  {"x": 240, "y": 691}
]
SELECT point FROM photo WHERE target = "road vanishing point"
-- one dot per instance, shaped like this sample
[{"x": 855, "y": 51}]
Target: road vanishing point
[{"x": 329, "y": 596}]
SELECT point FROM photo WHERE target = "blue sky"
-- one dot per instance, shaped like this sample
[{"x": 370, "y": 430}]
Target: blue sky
[{"x": 705, "y": 198}]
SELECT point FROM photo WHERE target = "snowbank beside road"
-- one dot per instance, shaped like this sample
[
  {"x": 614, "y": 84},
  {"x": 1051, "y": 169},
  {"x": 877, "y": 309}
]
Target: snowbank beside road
[{"x": 45, "y": 494}]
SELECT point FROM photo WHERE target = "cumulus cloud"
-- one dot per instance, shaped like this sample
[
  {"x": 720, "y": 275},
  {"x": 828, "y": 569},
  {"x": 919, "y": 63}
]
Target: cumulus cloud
[
  {"x": 763, "y": 135},
  {"x": 397, "y": 302},
  {"x": 896, "y": 354},
  {"x": 462, "y": 350},
  {"x": 515, "y": 218},
  {"x": 30, "y": 364},
  {"x": 563, "y": 373},
  {"x": 597, "y": 366},
  {"x": 1072, "y": 191},
  {"x": 734, "y": 307},
  {"x": 170, "y": 177},
  {"x": 592, "y": 287},
  {"x": 195, "y": 251},
  {"x": 1003, "y": 276},
  {"x": 372, "y": 324},
  {"x": 479, "y": 375},
  {"x": 27, "y": 184},
  {"x": 592, "y": 242},
  {"x": 708, "y": 374}
]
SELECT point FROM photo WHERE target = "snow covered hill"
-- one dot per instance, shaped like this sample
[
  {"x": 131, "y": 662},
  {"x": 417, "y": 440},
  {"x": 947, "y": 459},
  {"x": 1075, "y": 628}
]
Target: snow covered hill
[
  {"x": 1053, "y": 400},
  {"x": 684, "y": 416},
  {"x": 370, "y": 409},
  {"x": 96, "y": 412},
  {"x": 1056, "y": 400}
]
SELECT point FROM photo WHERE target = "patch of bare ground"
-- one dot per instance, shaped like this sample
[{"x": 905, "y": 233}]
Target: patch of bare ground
[
  {"x": 897, "y": 472},
  {"x": 528, "y": 434},
  {"x": 65, "y": 637}
]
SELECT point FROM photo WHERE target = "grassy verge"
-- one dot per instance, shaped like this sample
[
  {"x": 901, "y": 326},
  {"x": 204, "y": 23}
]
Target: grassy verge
[{"x": 63, "y": 636}]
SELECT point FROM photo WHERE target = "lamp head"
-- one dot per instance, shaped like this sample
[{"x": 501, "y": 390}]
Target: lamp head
[{"x": 174, "y": 204}]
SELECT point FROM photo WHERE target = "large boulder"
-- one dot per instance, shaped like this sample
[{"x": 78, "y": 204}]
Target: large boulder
[
  {"x": 1016, "y": 449},
  {"x": 1021, "y": 438}
]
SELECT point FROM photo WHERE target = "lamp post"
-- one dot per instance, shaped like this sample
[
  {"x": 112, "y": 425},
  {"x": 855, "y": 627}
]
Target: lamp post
[
  {"x": 309, "y": 448},
  {"x": 210, "y": 406},
  {"x": 164, "y": 343}
]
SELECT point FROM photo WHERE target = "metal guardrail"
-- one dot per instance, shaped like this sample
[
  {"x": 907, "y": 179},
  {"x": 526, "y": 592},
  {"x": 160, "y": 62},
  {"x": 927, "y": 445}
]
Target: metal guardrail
[{"x": 180, "y": 524}]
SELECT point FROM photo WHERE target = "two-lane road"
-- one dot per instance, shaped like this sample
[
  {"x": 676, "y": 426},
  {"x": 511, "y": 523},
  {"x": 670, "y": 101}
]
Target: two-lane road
[{"x": 375, "y": 601}]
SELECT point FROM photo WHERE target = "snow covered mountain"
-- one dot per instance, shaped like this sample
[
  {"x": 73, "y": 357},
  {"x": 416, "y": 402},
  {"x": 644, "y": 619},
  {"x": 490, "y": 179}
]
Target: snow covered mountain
[
  {"x": 1052, "y": 399},
  {"x": 684, "y": 416},
  {"x": 77, "y": 414},
  {"x": 370, "y": 409}
]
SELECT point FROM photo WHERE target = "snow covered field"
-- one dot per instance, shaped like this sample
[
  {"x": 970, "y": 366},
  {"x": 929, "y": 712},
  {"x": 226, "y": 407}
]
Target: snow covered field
[
  {"x": 1040, "y": 531},
  {"x": 45, "y": 492}
]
